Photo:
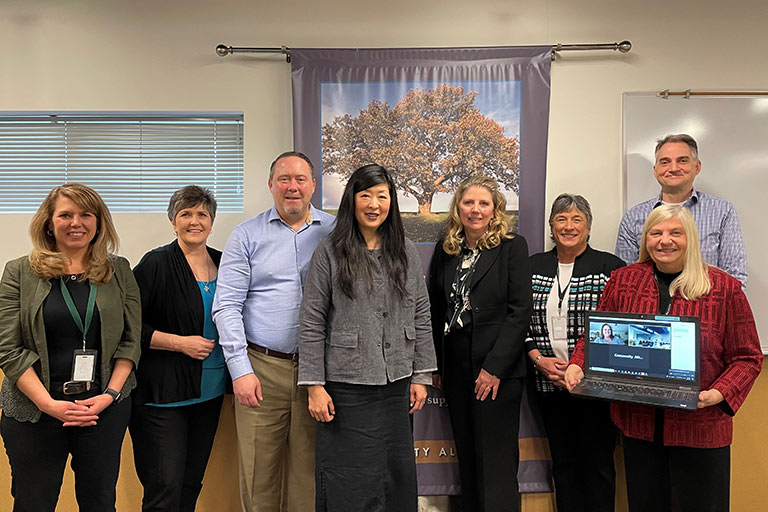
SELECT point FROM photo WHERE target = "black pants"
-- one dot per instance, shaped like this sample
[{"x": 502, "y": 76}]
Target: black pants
[
  {"x": 676, "y": 478},
  {"x": 582, "y": 439},
  {"x": 171, "y": 447},
  {"x": 486, "y": 433},
  {"x": 38, "y": 452},
  {"x": 364, "y": 456}
]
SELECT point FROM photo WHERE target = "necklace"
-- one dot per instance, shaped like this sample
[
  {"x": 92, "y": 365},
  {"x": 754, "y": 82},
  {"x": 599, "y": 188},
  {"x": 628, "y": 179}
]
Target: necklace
[
  {"x": 207, "y": 282},
  {"x": 208, "y": 277}
]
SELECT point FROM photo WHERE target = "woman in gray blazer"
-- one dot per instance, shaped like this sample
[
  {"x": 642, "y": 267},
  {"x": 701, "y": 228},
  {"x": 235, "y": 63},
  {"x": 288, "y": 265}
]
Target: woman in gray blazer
[{"x": 366, "y": 351}]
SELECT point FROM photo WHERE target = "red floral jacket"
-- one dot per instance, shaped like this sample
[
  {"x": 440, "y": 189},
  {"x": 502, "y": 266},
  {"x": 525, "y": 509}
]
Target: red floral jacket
[{"x": 731, "y": 356}]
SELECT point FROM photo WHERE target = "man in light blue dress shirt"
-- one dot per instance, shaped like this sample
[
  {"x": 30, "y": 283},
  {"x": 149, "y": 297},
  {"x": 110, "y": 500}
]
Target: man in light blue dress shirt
[
  {"x": 676, "y": 168},
  {"x": 256, "y": 311}
]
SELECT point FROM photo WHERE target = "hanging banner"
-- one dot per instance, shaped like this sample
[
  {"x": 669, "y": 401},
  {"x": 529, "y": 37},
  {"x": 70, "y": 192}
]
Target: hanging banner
[{"x": 433, "y": 117}]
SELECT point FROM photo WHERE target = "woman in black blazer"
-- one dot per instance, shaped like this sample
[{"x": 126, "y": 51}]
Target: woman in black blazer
[{"x": 480, "y": 293}]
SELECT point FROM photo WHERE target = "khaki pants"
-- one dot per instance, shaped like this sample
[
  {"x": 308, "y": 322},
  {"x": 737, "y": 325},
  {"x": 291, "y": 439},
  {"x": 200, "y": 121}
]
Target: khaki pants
[{"x": 276, "y": 442}]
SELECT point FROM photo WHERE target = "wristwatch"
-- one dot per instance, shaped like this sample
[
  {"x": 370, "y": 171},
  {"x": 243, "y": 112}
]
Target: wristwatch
[{"x": 114, "y": 394}]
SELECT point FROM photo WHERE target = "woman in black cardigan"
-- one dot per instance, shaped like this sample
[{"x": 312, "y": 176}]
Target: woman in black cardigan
[
  {"x": 480, "y": 294},
  {"x": 182, "y": 375}
]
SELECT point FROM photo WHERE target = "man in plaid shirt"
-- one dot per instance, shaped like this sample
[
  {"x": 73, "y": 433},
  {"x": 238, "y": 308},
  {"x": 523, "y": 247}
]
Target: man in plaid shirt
[{"x": 676, "y": 168}]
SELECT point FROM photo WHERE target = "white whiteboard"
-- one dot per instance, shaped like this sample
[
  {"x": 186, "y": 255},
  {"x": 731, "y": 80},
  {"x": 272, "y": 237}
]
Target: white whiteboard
[{"x": 732, "y": 133}]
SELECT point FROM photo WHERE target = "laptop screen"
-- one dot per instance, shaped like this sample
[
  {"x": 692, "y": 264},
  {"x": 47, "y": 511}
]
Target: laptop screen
[{"x": 645, "y": 346}]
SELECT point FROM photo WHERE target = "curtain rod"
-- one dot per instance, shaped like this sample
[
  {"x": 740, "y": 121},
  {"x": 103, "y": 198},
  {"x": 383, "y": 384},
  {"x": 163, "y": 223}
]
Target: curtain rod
[
  {"x": 223, "y": 50},
  {"x": 688, "y": 93}
]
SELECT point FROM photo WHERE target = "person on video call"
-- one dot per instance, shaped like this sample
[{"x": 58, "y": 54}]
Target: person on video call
[{"x": 607, "y": 336}]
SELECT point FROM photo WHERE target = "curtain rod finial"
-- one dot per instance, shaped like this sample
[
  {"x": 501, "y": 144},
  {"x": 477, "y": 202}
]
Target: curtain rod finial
[
  {"x": 624, "y": 46},
  {"x": 223, "y": 50}
]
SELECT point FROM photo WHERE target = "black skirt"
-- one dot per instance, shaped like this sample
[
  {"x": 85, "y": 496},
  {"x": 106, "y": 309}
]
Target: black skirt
[{"x": 364, "y": 456}]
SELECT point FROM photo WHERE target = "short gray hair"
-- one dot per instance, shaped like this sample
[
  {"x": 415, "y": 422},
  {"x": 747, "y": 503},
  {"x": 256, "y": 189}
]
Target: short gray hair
[
  {"x": 567, "y": 202},
  {"x": 678, "y": 137},
  {"x": 189, "y": 196}
]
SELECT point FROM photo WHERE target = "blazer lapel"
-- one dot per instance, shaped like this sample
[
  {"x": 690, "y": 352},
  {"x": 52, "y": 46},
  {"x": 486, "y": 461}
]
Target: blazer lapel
[
  {"x": 484, "y": 264},
  {"x": 449, "y": 274},
  {"x": 42, "y": 288}
]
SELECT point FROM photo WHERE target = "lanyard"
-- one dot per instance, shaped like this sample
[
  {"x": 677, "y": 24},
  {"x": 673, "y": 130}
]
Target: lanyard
[
  {"x": 560, "y": 292},
  {"x": 73, "y": 311}
]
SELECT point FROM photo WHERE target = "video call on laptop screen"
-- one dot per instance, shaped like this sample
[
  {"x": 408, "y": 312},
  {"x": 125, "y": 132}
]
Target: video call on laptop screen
[{"x": 657, "y": 346}]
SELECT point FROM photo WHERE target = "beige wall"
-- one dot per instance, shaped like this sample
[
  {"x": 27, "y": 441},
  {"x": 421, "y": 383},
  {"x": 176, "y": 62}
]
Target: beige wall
[
  {"x": 159, "y": 55},
  {"x": 149, "y": 55}
]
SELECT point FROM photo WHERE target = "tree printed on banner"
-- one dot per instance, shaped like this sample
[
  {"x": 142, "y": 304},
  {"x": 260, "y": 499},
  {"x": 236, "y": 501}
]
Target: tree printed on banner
[{"x": 431, "y": 140}]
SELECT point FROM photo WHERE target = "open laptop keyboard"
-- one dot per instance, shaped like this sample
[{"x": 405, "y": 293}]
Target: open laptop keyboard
[{"x": 672, "y": 394}]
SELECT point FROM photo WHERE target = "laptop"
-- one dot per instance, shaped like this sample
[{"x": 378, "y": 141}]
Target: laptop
[{"x": 647, "y": 359}]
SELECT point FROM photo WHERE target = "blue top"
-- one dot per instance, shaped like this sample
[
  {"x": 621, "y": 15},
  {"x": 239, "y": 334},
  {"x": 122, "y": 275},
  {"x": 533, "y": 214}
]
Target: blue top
[
  {"x": 722, "y": 244},
  {"x": 213, "y": 383},
  {"x": 261, "y": 276}
]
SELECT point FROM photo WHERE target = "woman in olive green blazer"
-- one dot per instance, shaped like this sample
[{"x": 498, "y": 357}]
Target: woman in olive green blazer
[{"x": 48, "y": 411}]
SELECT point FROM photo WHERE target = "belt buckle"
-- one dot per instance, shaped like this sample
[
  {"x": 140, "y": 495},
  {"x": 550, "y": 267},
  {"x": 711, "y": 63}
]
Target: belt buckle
[{"x": 75, "y": 387}]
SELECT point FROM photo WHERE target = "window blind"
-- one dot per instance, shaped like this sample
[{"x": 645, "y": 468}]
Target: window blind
[{"x": 134, "y": 161}]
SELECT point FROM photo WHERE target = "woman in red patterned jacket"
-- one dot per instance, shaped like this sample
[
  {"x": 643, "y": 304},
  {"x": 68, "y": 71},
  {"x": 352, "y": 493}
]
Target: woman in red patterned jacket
[{"x": 677, "y": 459}]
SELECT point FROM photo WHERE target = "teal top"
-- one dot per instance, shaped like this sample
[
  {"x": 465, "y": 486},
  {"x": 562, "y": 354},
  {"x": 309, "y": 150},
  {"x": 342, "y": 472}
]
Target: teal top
[{"x": 214, "y": 380}]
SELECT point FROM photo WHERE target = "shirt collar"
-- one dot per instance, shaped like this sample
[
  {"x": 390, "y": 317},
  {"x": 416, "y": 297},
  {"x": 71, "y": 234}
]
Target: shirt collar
[
  {"x": 312, "y": 218},
  {"x": 467, "y": 252},
  {"x": 553, "y": 251},
  {"x": 688, "y": 202}
]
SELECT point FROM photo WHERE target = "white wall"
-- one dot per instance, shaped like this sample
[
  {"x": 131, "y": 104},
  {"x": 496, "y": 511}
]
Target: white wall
[{"x": 159, "y": 55}]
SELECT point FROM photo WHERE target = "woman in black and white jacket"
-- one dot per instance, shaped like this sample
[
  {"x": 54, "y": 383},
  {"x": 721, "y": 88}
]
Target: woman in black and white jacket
[{"x": 567, "y": 281}]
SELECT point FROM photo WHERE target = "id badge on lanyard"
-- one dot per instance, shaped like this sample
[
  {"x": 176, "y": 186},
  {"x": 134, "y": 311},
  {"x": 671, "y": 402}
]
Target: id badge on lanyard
[
  {"x": 83, "y": 360},
  {"x": 559, "y": 327},
  {"x": 560, "y": 321}
]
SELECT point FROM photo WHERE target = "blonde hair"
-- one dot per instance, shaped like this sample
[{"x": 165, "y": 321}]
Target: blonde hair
[
  {"x": 498, "y": 228},
  {"x": 47, "y": 262},
  {"x": 693, "y": 281}
]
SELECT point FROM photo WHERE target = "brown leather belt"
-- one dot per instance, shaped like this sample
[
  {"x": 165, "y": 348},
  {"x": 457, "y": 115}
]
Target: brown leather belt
[{"x": 274, "y": 353}]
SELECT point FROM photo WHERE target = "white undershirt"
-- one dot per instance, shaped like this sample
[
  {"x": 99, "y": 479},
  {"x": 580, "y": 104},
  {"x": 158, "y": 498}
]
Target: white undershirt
[{"x": 560, "y": 347}]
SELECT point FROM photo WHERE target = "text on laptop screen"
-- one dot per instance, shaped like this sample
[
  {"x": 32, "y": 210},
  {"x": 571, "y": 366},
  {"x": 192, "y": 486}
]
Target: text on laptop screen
[{"x": 664, "y": 347}]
